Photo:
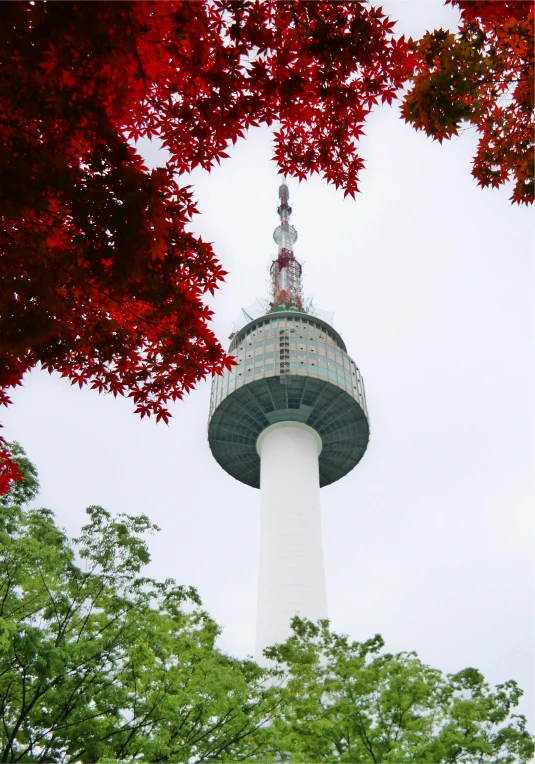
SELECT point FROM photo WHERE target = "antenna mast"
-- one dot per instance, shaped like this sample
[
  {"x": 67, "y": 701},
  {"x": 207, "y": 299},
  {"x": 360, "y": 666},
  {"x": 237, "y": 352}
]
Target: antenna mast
[{"x": 285, "y": 271}]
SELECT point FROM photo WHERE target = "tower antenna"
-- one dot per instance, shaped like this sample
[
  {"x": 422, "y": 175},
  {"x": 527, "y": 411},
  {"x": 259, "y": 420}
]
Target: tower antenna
[{"x": 285, "y": 271}]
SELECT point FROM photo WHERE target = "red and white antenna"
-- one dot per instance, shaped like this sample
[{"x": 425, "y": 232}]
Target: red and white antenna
[{"x": 286, "y": 285}]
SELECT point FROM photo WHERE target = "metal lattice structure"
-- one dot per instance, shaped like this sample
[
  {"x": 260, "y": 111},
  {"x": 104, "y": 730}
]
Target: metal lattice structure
[{"x": 286, "y": 271}]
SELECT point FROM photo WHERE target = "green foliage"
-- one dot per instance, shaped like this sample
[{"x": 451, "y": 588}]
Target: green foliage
[
  {"x": 101, "y": 664},
  {"x": 350, "y": 702}
]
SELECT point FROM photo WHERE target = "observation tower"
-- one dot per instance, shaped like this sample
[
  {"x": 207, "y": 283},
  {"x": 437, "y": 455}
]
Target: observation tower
[{"x": 289, "y": 418}]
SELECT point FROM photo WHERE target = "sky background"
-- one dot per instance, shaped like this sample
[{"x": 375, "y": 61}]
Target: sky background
[{"x": 429, "y": 541}]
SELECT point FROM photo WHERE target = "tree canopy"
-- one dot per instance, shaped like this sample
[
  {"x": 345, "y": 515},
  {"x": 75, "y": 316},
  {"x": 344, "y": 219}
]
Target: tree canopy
[
  {"x": 481, "y": 75},
  {"x": 100, "y": 662},
  {"x": 102, "y": 280},
  {"x": 350, "y": 701}
]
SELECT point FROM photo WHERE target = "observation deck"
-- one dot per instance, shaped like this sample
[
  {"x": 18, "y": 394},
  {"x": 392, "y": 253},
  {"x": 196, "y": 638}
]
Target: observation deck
[{"x": 291, "y": 366}]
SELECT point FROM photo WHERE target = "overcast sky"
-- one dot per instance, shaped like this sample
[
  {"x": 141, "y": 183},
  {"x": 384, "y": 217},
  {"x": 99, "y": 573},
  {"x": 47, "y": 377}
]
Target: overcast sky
[{"x": 429, "y": 541}]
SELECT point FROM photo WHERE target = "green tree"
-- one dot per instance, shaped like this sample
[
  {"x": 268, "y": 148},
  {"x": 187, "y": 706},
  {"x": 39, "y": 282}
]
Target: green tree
[
  {"x": 98, "y": 661},
  {"x": 349, "y": 702}
]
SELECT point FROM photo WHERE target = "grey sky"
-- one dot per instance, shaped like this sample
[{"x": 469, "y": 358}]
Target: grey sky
[{"x": 429, "y": 541}]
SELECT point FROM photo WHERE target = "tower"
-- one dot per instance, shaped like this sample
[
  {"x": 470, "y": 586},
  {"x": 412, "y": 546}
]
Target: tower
[{"x": 289, "y": 418}]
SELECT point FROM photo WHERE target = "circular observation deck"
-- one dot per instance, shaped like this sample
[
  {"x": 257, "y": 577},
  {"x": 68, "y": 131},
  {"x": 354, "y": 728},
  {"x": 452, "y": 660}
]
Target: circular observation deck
[{"x": 291, "y": 367}]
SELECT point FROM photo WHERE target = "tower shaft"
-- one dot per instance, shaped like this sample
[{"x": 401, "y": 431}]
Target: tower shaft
[{"x": 292, "y": 575}]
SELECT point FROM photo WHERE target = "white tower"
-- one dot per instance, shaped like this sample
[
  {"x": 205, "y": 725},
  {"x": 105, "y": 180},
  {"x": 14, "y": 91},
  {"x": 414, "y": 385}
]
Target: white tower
[{"x": 288, "y": 418}]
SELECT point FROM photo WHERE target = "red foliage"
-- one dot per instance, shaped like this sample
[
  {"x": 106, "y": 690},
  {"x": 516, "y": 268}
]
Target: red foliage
[
  {"x": 100, "y": 279},
  {"x": 9, "y": 471},
  {"x": 482, "y": 75}
]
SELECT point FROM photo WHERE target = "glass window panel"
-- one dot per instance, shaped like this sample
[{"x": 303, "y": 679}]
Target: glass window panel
[
  {"x": 322, "y": 371},
  {"x": 270, "y": 355},
  {"x": 293, "y": 366},
  {"x": 269, "y": 367},
  {"x": 332, "y": 374},
  {"x": 341, "y": 379},
  {"x": 249, "y": 372}
]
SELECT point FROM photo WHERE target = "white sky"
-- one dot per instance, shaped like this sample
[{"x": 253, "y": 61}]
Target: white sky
[{"x": 429, "y": 541}]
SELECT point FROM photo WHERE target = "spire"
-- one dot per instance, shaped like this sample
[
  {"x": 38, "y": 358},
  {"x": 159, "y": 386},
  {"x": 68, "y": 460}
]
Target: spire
[{"x": 286, "y": 286}]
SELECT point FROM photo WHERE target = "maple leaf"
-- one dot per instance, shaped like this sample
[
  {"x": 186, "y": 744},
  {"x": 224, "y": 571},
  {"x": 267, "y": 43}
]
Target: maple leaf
[
  {"x": 481, "y": 76},
  {"x": 100, "y": 279}
]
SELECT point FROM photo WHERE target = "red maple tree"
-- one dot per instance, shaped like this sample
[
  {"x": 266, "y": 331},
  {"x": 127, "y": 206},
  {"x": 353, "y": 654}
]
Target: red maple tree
[
  {"x": 482, "y": 75},
  {"x": 100, "y": 280}
]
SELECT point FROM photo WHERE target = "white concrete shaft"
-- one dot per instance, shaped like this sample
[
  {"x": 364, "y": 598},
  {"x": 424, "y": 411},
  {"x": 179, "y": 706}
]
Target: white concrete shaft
[{"x": 292, "y": 574}]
